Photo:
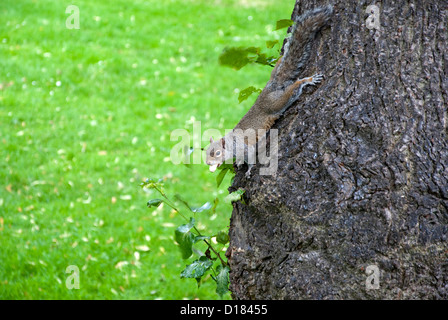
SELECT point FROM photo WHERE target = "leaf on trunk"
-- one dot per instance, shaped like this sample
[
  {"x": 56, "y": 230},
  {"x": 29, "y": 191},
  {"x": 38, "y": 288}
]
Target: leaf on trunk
[
  {"x": 235, "y": 196},
  {"x": 246, "y": 93},
  {"x": 283, "y": 23},
  {"x": 237, "y": 57}
]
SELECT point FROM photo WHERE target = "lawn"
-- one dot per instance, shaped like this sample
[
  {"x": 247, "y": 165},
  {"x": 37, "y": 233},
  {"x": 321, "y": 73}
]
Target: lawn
[{"x": 86, "y": 115}]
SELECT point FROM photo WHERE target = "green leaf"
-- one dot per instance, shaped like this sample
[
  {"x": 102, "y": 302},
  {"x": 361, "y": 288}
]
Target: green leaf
[
  {"x": 237, "y": 57},
  {"x": 197, "y": 268},
  {"x": 227, "y": 166},
  {"x": 154, "y": 203},
  {"x": 185, "y": 238},
  {"x": 246, "y": 93},
  {"x": 235, "y": 196},
  {"x": 283, "y": 23},
  {"x": 222, "y": 280},
  {"x": 221, "y": 176},
  {"x": 273, "y": 60},
  {"x": 271, "y": 43},
  {"x": 264, "y": 60},
  {"x": 186, "y": 227},
  {"x": 224, "y": 167},
  {"x": 222, "y": 237},
  {"x": 205, "y": 206}
]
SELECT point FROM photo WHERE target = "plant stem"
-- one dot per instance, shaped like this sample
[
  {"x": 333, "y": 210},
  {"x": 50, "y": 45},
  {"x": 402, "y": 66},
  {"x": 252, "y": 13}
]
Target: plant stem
[
  {"x": 168, "y": 202},
  {"x": 214, "y": 251}
]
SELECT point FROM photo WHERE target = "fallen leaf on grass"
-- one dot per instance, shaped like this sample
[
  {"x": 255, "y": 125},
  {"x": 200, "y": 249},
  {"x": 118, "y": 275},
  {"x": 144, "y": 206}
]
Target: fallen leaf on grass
[
  {"x": 142, "y": 248},
  {"x": 121, "y": 264},
  {"x": 168, "y": 225}
]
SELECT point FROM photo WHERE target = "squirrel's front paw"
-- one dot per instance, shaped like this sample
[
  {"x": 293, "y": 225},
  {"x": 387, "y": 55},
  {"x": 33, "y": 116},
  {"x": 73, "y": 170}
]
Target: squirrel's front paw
[{"x": 317, "y": 78}]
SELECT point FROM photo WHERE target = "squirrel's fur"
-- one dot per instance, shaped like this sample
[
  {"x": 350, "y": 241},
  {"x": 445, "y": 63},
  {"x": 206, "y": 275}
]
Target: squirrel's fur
[{"x": 281, "y": 91}]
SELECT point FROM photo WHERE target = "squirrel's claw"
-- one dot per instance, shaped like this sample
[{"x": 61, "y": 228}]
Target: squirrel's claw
[{"x": 317, "y": 78}]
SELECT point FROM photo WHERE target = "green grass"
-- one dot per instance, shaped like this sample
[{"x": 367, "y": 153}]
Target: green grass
[{"x": 86, "y": 115}]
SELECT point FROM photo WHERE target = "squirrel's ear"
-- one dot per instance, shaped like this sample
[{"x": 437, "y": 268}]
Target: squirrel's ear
[
  {"x": 211, "y": 139},
  {"x": 223, "y": 142}
]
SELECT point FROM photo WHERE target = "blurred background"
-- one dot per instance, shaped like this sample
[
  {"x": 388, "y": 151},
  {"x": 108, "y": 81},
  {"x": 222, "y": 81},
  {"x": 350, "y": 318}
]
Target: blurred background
[{"x": 86, "y": 115}]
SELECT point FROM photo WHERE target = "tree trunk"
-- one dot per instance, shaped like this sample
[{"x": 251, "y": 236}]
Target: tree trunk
[{"x": 358, "y": 208}]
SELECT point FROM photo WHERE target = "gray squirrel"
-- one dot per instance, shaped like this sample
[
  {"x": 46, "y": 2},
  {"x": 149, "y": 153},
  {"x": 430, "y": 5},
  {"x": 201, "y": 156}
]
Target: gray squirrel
[{"x": 281, "y": 91}]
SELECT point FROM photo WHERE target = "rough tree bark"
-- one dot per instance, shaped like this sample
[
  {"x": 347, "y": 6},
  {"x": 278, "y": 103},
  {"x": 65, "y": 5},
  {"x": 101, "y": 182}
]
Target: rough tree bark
[{"x": 363, "y": 167}]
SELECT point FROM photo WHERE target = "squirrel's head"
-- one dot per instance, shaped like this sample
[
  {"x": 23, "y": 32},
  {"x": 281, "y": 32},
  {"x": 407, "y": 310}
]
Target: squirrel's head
[{"x": 216, "y": 153}]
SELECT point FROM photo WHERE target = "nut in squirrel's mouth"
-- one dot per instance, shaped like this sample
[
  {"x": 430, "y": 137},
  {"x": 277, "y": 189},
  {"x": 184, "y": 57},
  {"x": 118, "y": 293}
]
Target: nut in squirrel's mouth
[{"x": 214, "y": 167}]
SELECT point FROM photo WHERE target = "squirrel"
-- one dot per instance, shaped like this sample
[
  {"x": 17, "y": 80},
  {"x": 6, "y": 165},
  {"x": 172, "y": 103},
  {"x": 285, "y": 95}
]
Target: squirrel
[{"x": 281, "y": 91}]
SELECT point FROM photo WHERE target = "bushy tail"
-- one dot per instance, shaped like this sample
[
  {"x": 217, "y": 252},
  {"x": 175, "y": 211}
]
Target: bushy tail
[{"x": 298, "y": 48}]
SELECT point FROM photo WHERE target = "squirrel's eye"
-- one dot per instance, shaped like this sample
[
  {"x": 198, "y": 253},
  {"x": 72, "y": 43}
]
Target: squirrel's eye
[{"x": 218, "y": 153}]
